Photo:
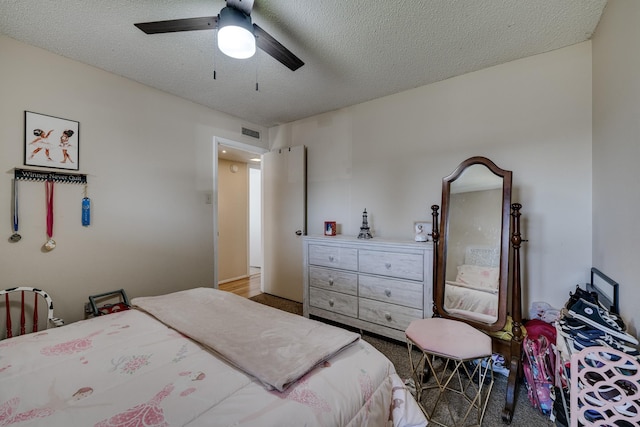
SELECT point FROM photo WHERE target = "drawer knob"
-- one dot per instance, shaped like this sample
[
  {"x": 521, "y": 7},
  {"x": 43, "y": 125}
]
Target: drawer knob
[
  {"x": 387, "y": 316},
  {"x": 387, "y": 292},
  {"x": 331, "y": 258},
  {"x": 330, "y": 282},
  {"x": 331, "y": 302},
  {"x": 388, "y": 265}
]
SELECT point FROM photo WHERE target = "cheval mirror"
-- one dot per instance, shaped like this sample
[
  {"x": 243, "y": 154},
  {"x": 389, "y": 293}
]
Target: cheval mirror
[{"x": 474, "y": 277}]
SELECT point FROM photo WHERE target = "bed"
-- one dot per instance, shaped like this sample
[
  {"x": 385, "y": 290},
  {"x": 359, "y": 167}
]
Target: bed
[
  {"x": 474, "y": 292},
  {"x": 201, "y": 357}
]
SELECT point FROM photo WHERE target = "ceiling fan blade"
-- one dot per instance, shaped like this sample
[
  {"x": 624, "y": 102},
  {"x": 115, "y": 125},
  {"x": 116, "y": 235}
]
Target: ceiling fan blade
[
  {"x": 274, "y": 48},
  {"x": 175, "y": 25}
]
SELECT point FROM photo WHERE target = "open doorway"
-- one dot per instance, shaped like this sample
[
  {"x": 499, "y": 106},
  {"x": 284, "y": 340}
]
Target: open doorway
[
  {"x": 255, "y": 220},
  {"x": 237, "y": 210}
]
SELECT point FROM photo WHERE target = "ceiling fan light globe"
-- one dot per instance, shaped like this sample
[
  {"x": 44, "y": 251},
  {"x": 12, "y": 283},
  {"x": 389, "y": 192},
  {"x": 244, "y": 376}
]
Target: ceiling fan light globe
[
  {"x": 235, "y": 34},
  {"x": 236, "y": 42}
]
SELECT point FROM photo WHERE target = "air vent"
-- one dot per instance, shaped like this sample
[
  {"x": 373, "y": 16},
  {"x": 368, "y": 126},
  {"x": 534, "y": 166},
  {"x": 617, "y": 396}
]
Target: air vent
[{"x": 251, "y": 133}]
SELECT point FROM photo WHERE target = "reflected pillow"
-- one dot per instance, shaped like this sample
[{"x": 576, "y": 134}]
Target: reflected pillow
[{"x": 481, "y": 277}]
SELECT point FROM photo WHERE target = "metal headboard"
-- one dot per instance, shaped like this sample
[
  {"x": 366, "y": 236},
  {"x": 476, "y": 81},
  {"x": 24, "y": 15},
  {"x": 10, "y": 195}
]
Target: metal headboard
[{"x": 603, "y": 297}]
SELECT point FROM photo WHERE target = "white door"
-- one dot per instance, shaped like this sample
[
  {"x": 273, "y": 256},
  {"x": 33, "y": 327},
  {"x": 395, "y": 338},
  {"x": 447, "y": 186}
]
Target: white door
[{"x": 284, "y": 221}]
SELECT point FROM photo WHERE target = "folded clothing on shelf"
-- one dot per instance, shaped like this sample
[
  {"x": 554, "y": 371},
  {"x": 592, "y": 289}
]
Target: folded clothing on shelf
[
  {"x": 587, "y": 324},
  {"x": 600, "y": 318}
]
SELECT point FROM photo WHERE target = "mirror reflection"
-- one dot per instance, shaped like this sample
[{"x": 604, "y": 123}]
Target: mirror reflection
[{"x": 472, "y": 269}]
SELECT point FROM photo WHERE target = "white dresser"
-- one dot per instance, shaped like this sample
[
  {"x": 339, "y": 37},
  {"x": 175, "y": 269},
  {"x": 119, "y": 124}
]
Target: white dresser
[{"x": 375, "y": 285}]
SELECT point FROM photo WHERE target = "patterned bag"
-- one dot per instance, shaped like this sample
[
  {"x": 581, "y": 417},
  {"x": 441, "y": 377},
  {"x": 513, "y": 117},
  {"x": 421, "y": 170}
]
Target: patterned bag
[{"x": 538, "y": 364}]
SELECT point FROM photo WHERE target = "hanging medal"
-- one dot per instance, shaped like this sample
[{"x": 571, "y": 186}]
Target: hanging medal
[
  {"x": 15, "y": 237},
  {"x": 86, "y": 209},
  {"x": 50, "y": 244}
]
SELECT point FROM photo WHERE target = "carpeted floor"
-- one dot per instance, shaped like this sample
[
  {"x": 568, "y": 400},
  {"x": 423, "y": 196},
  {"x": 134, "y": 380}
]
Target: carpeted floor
[{"x": 524, "y": 416}]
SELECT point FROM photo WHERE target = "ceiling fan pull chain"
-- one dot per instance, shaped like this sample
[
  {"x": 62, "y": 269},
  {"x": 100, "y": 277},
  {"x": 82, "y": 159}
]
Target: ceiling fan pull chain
[
  {"x": 255, "y": 58},
  {"x": 215, "y": 43}
]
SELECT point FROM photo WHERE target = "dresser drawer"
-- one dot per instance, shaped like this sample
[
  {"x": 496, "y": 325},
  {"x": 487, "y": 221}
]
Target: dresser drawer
[
  {"x": 392, "y": 291},
  {"x": 333, "y": 280},
  {"x": 394, "y": 264},
  {"x": 333, "y": 256},
  {"x": 334, "y": 301},
  {"x": 390, "y": 315}
]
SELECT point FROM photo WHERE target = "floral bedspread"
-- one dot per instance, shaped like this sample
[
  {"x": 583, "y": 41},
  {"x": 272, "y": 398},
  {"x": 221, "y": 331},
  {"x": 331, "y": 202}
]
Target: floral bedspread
[
  {"x": 274, "y": 346},
  {"x": 128, "y": 369}
]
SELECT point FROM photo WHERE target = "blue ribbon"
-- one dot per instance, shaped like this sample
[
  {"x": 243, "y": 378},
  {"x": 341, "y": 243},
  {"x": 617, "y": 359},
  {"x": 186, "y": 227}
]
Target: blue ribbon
[{"x": 15, "y": 205}]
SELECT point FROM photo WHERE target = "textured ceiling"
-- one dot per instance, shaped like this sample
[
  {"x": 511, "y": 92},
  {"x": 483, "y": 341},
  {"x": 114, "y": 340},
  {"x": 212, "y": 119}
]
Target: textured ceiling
[{"x": 353, "y": 50}]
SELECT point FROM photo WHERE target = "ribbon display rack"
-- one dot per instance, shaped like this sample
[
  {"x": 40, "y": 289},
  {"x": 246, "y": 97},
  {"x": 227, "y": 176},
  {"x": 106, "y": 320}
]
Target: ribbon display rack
[{"x": 65, "y": 178}]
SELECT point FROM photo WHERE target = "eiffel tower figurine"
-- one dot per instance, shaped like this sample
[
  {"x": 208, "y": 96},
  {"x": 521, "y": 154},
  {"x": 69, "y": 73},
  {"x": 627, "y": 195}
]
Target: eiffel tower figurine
[{"x": 364, "y": 230}]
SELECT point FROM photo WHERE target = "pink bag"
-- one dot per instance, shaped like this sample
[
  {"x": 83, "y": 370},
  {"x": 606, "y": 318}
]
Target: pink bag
[{"x": 538, "y": 364}]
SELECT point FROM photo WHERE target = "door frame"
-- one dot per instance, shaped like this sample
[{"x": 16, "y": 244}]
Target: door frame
[{"x": 240, "y": 146}]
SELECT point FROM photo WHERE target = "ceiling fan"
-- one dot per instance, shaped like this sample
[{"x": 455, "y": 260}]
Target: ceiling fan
[{"x": 234, "y": 26}]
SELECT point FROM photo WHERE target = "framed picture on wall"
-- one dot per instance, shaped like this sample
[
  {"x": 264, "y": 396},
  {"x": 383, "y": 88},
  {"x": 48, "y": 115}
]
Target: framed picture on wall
[{"x": 51, "y": 142}]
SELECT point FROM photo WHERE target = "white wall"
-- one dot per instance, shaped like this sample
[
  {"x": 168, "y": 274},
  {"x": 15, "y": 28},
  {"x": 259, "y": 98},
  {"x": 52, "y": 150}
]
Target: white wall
[
  {"x": 531, "y": 116},
  {"x": 616, "y": 151},
  {"x": 148, "y": 156}
]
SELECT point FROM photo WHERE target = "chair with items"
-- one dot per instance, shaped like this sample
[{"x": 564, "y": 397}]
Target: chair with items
[
  {"x": 592, "y": 317},
  {"x": 33, "y": 314},
  {"x": 590, "y": 321},
  {"x": 92, "y": 309}
]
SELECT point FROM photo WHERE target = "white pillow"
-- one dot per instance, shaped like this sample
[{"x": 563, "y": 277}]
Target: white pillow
[{"x": 481, "y": 277}]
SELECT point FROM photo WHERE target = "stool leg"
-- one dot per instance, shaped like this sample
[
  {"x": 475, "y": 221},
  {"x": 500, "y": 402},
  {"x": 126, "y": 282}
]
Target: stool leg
[
  {"x": 461, "y": 381},
  {"x": 488, "y": 370},
  {"x": 476, "y": 391},
  {"x": 451, "y": 376},
  {"x": 477, "y": 401},
  {"x": 417, "y": 372}
]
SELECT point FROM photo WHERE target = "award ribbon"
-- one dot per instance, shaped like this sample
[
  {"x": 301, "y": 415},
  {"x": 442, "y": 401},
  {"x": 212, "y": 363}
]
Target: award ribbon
[
  {"x": 49, "y": 195},
  {"x": 15, "y": 236}
]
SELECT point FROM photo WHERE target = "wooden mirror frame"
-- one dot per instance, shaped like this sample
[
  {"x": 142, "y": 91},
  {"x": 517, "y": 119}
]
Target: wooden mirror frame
[
  {"x": 509, "y": 282},
  {"x": 440, "y": 263}
]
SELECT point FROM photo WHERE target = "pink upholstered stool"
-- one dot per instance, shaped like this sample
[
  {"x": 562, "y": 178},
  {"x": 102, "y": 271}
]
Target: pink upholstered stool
[{"x": 447, "y": 346}]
